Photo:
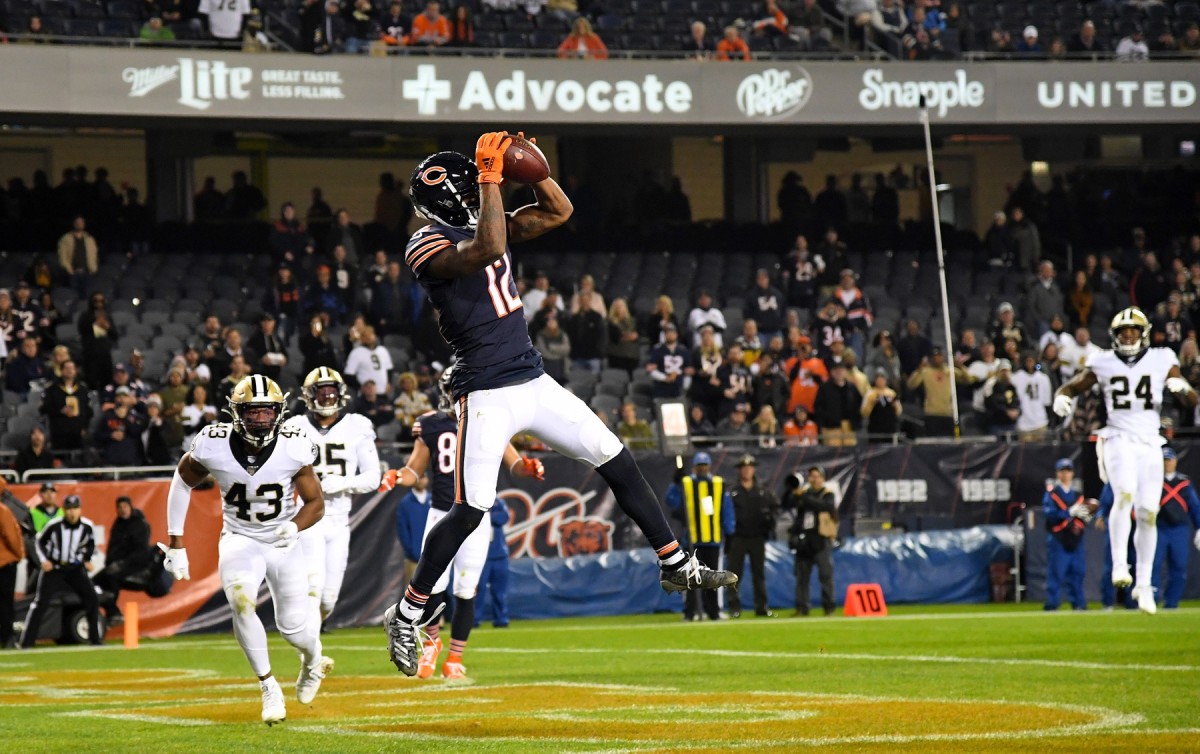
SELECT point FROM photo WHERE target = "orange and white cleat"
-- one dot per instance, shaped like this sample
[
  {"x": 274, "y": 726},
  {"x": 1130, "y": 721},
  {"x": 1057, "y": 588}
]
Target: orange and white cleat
[
  {"x": 429, "y": 656},
  {"x": 454, "y": 671}
]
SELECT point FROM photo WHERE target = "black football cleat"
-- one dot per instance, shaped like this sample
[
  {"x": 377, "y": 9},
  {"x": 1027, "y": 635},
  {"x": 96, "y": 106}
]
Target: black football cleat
[
  {"x": 695, "y": 575},
  {"x": 404, "y": 637}
]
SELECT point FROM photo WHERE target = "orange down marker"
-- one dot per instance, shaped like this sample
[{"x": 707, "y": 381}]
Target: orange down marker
[
  {"x": 864, "y": 601},
  {"x": 131, "y": 625}
]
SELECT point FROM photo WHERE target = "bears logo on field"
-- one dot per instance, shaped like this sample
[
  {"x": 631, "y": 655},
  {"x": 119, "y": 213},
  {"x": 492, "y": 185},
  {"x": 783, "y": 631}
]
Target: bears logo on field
[{"x": 584, "y": 536}]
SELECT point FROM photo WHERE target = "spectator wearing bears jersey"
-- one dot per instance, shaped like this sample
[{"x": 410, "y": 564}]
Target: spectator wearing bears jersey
[
  {"x": 396, "y": 25},
  {"x": 668, "y": 366},
  {"x": 1172, "y": 326},
  {"x": 859, "y": 316},
  {"x": 765, "y": 305}
]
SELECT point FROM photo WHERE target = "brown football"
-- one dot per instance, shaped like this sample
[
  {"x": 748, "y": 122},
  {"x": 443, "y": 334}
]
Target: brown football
[{"x": 524, "y": 162}]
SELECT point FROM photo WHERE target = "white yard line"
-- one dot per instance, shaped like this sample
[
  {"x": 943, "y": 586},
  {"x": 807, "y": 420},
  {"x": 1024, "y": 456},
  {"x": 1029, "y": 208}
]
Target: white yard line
[
  {"x": 947, "y": 659},
  {"x": 133, "y": 717}
]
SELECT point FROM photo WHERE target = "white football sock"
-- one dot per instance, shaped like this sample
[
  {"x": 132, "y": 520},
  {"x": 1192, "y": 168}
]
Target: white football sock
[
  {"x": 1119, "y": 525},
  {"x": 252, "y": 637}
]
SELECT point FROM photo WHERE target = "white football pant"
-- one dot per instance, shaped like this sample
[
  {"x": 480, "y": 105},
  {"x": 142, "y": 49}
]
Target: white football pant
[
  {"x": 326, "y": 552},
  {"x": 488, "y": 419},
  {"x": 1135, "y": 471},
  {"x": 244, "y": 564}
]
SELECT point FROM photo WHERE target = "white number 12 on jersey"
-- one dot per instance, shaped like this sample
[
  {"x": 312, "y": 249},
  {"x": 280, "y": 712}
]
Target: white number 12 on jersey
[{"x": 504, "y": 302}]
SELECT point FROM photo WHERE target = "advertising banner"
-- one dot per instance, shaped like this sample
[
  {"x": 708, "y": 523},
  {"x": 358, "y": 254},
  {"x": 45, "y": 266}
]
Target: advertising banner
[{"x": 205, "y": 84}]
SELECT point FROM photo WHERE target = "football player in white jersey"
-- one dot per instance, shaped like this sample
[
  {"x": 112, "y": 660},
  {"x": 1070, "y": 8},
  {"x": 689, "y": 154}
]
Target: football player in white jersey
[
  {"x": 260, "y": 468},
  {"x": 347, "y": 464},
  {"x": 1132, "y": 377}
]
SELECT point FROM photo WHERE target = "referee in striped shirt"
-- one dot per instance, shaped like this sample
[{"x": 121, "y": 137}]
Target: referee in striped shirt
[{"x": 65, "y": 547}]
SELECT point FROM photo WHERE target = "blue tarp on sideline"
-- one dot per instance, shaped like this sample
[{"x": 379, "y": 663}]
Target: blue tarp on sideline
[{"x": 929, "y": 567}]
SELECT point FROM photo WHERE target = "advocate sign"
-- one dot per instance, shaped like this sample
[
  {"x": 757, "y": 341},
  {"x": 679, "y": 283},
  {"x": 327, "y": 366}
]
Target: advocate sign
[{"x": 141, "y": 84}]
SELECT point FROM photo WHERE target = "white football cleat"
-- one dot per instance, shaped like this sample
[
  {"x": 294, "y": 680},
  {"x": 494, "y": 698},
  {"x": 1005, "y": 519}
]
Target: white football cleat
[
  {"x": 310, "y": 679},
  {"x": 274, "y": 710},
  {"x": 1145, "y": 599},
  {"x": 1121, "y": 576}
]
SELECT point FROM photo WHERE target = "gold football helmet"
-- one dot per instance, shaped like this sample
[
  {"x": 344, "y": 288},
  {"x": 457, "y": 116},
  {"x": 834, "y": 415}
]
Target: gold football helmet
[
  {"x": 1132, "y": 317},
  {"x": 257, "y": 406},
  {"x": 325, "y": 392}
]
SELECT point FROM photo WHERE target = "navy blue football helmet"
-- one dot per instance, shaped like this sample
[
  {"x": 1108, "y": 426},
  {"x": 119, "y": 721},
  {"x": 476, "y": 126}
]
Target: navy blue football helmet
[{"x": 445, "y": 189}]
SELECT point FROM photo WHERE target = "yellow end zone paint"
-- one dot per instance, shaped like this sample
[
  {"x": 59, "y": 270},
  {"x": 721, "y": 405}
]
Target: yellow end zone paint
[{"x": 643, "y": 718}]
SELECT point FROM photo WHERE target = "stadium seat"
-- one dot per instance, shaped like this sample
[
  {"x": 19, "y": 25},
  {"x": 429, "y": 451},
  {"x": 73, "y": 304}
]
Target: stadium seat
[
  {"x": 544, "y": 39},
  {"x": 14, "y": 440},
  {"x": 486, "y": 39},
  {"x": 123, "y": 10},
  {"x": 81, "y": 27},
  {"x": 513, "y": 40},
  {"x": 608, "y": 404},
  {"x": 156, "y": 319},
  {"x": 225, "y": 310},
  {"x": 518, "y": 22},
  {"x": 117, "y": 28},
  {"x": 89, "y": 9}
]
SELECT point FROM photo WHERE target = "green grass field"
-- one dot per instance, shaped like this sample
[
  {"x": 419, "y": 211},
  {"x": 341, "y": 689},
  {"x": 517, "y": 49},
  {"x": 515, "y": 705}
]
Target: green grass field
[{"x": 954, "y": 678}]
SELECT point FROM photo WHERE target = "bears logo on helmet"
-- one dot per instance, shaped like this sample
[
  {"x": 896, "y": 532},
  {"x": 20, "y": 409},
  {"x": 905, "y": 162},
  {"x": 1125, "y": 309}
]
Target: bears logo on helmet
[
  {"x": 257, "y": 406},
  {"x": 1130, "y": 318},
  {"x": 445, "y": 189}
]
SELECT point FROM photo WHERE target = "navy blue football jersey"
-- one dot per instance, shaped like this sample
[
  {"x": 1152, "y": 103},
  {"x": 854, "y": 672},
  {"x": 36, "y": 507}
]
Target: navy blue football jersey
[
  {"x": 670, "y": 361},
  {"x": 439, "y": 431},
  {"x": 480, "y": 315}
]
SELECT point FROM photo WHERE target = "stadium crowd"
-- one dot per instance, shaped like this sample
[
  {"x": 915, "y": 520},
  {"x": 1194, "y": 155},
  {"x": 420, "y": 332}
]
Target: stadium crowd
[
  {"x": 118, "y": 356},
  {"x": 706, "y": 29}
]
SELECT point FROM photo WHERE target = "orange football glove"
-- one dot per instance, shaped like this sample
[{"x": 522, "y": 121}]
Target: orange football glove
[
  {"x": 390, "y": 478},
  {"x": 489, "y": 156},
  {"x": 532, "y": 139},
  {"x": 533, "y": 468}
]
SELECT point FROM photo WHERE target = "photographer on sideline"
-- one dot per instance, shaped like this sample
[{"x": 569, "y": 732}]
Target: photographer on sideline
[{"x": 811, "y": 536}]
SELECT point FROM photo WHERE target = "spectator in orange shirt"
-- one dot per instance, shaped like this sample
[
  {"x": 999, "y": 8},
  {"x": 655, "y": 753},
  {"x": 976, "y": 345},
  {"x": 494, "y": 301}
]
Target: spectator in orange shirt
[
  {"x": 430, "y": 27},
  {"x": 775, "y": 24},
  {"x": 799, "y": 429},
  {"x": 583, "y": 43},
  {"x": 806, "y": 372},
  {"x": 732, "y": 44}
]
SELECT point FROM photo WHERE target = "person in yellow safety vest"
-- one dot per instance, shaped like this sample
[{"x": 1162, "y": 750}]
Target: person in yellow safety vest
[{"x": 701, "y": 500}]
